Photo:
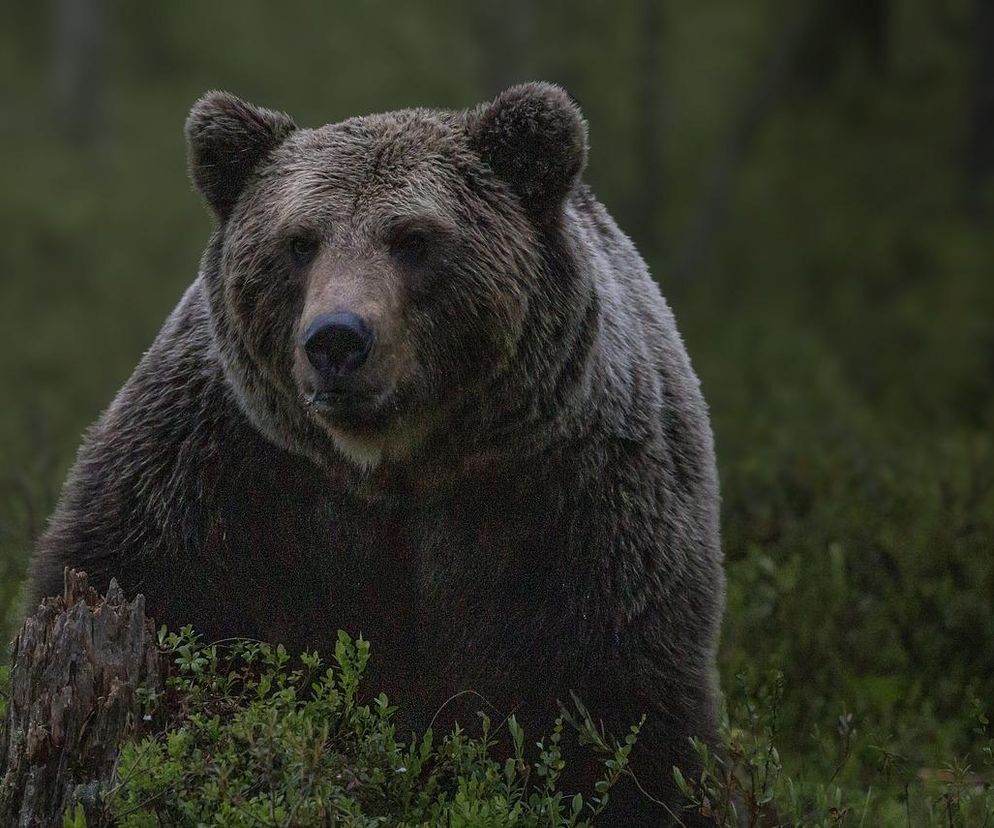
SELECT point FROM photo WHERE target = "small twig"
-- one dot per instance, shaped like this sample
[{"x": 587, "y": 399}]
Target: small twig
[
  {"x": 651, "y": 798},
  {"x": 866, "y": 806},
  {"x": 455, "y": 696}
]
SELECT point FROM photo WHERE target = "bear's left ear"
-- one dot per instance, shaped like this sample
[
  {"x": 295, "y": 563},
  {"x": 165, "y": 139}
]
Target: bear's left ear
[
  {"x": 534, "y": 137},
  {"x": 226, "y": 139}
]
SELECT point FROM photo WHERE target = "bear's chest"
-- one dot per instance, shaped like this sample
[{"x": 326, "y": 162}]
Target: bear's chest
[{"x": 450, "y": 591}]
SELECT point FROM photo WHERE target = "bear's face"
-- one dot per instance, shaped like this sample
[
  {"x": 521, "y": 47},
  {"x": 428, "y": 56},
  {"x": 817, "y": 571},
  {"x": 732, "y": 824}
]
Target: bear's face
[{"x": 367, "y": 273}]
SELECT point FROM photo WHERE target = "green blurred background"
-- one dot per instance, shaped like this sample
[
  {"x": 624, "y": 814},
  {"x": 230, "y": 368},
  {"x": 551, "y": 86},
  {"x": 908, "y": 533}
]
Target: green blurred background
[{"x": 810, "y": 181}]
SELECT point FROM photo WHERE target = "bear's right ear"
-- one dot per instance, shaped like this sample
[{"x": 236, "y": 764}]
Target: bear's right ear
[
  {"x": 226, "y": 138},
  {"x": 534, "y": 137}
]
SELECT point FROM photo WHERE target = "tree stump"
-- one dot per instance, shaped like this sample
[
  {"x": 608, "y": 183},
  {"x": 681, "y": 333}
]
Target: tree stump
[{"x": 77, "y": 666}]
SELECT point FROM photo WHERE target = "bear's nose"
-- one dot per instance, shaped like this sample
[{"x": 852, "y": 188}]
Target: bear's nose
[{"x": 337, "y": 343}]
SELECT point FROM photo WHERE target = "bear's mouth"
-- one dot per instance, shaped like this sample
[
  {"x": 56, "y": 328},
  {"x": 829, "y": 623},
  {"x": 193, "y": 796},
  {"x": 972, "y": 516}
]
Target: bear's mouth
[{"x": 349, "y": 406}]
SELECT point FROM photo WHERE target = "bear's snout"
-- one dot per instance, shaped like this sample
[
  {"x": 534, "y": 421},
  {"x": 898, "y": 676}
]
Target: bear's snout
[{"x": 336, "y": 346}]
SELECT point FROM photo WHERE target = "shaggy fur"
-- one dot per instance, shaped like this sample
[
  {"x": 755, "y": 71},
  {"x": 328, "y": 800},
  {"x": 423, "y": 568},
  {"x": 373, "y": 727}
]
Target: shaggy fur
[{"x": 518, "y": 496}]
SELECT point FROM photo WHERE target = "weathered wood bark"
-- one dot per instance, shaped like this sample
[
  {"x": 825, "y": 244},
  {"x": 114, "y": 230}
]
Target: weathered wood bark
[{"x": 78, "y": 663}]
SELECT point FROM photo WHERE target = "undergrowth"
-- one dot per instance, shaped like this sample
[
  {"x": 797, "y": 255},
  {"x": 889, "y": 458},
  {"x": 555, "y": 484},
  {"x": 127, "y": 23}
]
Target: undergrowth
[
  {"x": 245, "y": 735},
  {"x": 253, "y": 737},
  {"x": 747, "y": 783}
]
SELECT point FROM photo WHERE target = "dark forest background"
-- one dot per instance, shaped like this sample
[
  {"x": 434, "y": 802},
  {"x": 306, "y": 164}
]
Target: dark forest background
[{"x": 812, "y": 182}]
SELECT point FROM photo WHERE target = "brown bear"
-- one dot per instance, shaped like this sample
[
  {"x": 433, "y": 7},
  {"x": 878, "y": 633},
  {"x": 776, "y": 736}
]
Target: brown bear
[{"x": 422, "y": 388}]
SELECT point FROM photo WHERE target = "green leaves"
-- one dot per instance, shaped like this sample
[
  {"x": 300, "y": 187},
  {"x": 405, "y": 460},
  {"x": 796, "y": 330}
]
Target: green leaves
[
  {"x": 254, "y": 737},
  {"x": 75, "y": 818},
  {"x": 744, "y": 782}
]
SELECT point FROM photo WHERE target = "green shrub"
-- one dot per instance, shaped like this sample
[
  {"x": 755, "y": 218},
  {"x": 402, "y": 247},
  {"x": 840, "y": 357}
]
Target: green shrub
[
  {"x": 246, "y": 735},
  {"x": 745, "y": 784},
  {"x": 251, "y": 737}
]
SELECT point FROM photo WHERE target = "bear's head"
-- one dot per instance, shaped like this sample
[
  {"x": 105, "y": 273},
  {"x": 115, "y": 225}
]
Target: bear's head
[{"x": 381, "y": 282}]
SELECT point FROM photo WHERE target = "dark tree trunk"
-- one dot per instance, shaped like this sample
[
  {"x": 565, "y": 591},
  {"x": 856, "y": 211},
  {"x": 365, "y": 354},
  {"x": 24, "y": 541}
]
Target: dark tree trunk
[
  {"x": 876, "y": 31},
  {"x": 503, "y": 30},
  {"x": 770, "y": 87},
  {"x": 80, "y": 37},
  {"x": 839, "y": 26},
  {"x": 77, "y": 665},
  {"x": 980, "y": 150},
  {"x": 648, "y": 213}
]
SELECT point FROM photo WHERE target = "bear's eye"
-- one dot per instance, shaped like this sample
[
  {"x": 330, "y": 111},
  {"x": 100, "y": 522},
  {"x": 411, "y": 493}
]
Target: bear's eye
[
  {"x": 303, "y": 248},
  {"x": 412, "y": 247}
]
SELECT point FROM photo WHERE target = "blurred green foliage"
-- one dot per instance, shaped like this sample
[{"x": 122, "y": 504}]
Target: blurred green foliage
[{"x": 840, "y": 308}]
